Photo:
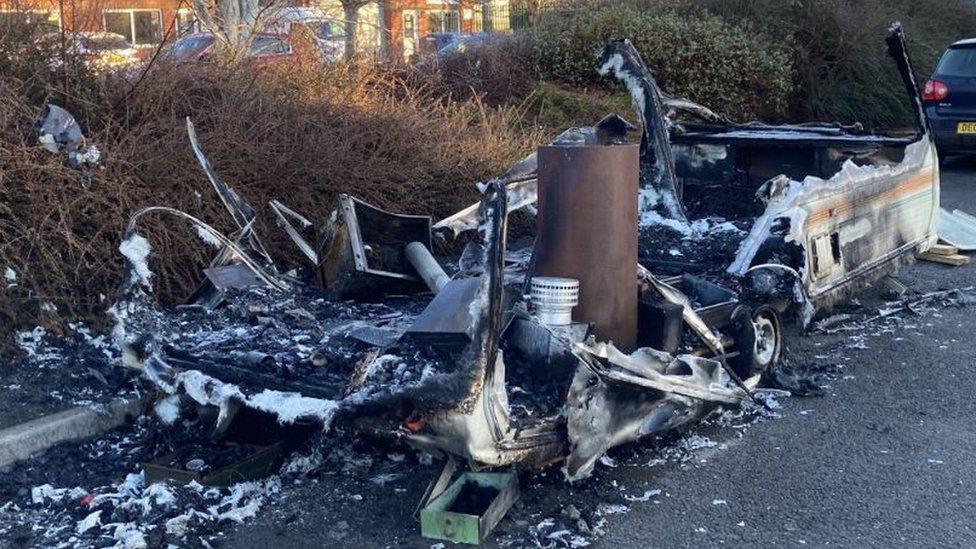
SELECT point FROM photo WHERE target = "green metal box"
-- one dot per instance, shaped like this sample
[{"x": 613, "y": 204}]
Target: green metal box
[{"x": 439, "y": 521}]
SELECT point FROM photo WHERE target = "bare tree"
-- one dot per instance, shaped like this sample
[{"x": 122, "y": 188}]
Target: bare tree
[
  {"x": 350, "y": 10},
  {"x": 384, "y": 32},
  {"x": 233, "y": 23}
]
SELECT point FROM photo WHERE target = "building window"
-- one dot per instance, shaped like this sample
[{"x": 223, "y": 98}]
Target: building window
[
  {"x": 21, "y": 18},
  {"x": 186, "y": 22},
  {"x": 443, "y": 21},
  {"x": 139, "y": 27}
]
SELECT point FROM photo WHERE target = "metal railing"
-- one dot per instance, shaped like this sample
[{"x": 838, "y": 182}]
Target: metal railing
[{"x": 512, "y": 15}]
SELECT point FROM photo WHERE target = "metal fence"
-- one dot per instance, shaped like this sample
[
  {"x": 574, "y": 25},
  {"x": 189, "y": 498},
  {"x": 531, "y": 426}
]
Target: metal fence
[{"x": 512, "y": 15}]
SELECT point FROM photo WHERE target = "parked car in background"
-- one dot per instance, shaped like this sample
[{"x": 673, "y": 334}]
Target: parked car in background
[
  {"x": 328, "y": 33},
  {"x": 101, "y": 50},
  {"x": 950, "y": 100},
  {"x": 462, "y": 43},
  {"x": 266, "y": 49},
  {"x": 192, "y": 47},
  {"x": 436, "y": 41}
]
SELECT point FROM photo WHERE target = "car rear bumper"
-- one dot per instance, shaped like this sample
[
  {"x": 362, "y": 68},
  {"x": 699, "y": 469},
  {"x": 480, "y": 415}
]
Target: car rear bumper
[{"x": 947, "y": 141}]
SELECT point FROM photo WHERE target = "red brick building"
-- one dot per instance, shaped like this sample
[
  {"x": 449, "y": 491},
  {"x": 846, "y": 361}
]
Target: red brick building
[
  {"x": 144, "y": 23},
  {"x": 411, "y": 27}
]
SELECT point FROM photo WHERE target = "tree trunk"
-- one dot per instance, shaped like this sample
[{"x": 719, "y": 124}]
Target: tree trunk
[
  {"x": 233, "y": 23},
  {"x": 384, "y": 31},
  {"x": 351, "y": 13}
]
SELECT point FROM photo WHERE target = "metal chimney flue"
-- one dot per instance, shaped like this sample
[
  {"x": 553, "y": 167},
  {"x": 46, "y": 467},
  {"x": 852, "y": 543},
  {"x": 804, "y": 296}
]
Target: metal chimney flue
[{"x": 587, "y": 230}]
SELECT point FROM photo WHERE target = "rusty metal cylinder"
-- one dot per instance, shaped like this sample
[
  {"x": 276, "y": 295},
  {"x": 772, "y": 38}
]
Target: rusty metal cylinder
[{"x": 587, "y": 230}]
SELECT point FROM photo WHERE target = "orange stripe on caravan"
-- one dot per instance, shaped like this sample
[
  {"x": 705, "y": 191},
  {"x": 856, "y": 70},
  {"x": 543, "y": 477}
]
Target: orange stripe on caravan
[{"x": 841, "y": 207}]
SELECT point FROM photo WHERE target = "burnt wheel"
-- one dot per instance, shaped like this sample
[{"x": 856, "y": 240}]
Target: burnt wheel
[{"x": 760, "y": 343}]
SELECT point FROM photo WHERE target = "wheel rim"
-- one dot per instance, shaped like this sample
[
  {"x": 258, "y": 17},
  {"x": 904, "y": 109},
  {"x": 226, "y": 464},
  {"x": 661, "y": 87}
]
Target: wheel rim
[{"x": 766, "y": 341}]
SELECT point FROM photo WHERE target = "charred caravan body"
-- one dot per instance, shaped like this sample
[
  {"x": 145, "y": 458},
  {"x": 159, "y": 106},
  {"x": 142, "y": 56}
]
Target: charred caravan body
[{"x": 484, "y": 371}]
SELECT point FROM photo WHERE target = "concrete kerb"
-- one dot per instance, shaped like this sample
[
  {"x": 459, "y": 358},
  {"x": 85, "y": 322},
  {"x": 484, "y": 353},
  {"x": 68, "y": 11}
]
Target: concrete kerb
[{"x": 26, "y": 439}]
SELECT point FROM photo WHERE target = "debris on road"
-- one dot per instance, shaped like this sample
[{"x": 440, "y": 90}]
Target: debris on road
[
  {"x": 955, "y": 260},
  {"x": 214, "y": 463},
  {"x": 958, "y": 229}
]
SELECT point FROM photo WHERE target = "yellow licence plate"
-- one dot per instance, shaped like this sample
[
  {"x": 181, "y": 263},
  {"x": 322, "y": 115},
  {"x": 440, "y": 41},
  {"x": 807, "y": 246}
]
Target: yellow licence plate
[{"x": 966, "y": 127}]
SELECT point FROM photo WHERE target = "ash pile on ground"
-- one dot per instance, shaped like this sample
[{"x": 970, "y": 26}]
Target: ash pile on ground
[
  {"x": 95, "y": 494},
  {"x": 705, "y": 246},
  {"x": 54, "y": 372}
]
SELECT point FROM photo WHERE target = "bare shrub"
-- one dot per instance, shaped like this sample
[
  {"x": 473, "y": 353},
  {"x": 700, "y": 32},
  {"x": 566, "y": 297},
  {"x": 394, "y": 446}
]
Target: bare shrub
[
  {"x": 500, "y": 71},
  {"x": 300, "y": 133}
]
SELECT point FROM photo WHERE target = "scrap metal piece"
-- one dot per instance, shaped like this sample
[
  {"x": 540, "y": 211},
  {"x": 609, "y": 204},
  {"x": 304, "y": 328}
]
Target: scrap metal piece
[
  {"x": 660, "y": 192},
  {"x": 375, "y": 335},
  {"x": 267, "y": 277},
  {"x": 958, "y": 229},
  {"x": 365, "y": 253},
  {"x": 522, "y": 194},
  {"x": 617, "y": 398},
  {"x": 685, "y": 375},
  {"x": 447, "y": 319},
  {"x": 477, "y": 427},
  {"x": 282, "y": 214},
  {"x": 694, "y": 321},
  {"x": 258, "y": 462},
  {"x": 240, "y": 210},
  {"x": 232, "y": 276},
  {"x": 428, "y": 268},
  {"x": 678, "y": 104},
  {"x": 898, "y": 51}
]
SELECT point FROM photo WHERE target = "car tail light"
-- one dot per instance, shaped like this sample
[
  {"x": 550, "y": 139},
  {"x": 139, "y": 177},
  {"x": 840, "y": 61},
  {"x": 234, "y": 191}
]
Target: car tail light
[{"x": 935, "y": 90}]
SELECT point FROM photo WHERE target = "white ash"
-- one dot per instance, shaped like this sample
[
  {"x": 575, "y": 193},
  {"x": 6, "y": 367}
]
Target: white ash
[
  {"x": 136, "y": 250},
  {"x": 612, "y": 509},
  {"x": 648, "y": 494},
  {"x": 288, "y": 407},
  {"x": 34, "y": 343},
  {"x": 208, "y": 237},
  {"x": 91, "y": 521},
  {"x": 168, "y": 409}
]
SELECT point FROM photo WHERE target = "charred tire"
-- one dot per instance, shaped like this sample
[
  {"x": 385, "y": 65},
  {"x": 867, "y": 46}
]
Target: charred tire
[{"x": 760, "y": 343}]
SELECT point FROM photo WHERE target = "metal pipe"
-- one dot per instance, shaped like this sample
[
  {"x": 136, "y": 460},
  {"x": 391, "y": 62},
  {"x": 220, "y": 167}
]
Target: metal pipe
[
  {"x": 587, "y": 230},
  {"x": 427, "y": 267}
]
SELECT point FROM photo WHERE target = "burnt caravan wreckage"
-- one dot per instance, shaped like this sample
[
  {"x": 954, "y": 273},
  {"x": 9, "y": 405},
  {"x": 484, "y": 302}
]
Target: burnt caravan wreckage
[{"x": 556, "y": 352}]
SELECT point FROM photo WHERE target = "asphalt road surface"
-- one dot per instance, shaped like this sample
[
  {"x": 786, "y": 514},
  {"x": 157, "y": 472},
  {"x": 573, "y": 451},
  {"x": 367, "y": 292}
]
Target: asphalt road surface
[{"x": 884, "y": 459}]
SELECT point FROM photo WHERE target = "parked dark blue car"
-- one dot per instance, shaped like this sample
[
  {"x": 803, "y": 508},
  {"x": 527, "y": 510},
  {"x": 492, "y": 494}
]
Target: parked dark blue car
[{"x": 950, "y": 100}]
